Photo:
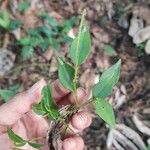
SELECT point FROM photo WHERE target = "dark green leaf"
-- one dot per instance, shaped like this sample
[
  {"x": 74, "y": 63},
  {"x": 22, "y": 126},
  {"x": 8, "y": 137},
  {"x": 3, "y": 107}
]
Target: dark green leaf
[
  {"x": 107, "y": 81},
  {"x": 35, "y": 145},
  {"x": 24, "y": 5},
  {"x": 80, "y": 47},
  {"x": 6, "y": 94},
  {"x": 105, "y": 111},
  {"x": 110, "y": 50},
  {"x": 15, "y": 138},
  {"x": 14, "y": 24},
  {"x": 66, "y": 74}
]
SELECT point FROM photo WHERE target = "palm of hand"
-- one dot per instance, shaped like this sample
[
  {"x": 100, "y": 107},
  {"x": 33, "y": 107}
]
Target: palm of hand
[{"x": 17, "y": 114}]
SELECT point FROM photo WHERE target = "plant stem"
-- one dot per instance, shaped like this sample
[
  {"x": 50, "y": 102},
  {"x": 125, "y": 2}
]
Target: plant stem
[
  {"x": 35, "y": 139},
  {"x": 76, "y": 67}
]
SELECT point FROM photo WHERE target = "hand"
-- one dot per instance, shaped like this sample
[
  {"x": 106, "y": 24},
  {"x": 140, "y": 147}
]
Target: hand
[{"x": 17, "y": 114}]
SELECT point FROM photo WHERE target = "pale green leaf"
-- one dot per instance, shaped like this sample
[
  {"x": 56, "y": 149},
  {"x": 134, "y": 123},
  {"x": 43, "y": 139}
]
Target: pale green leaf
[
  {"x": 80, "y": 47},
  {"x": 107, "y": 81},
  {"x": 4, "y": 19},
  {"x": 66, "y": 74},
  {"x": 6, "y": 94},
  {"x": 110, "y": 50},
  {"x": 105, "y": 111},
  {"x": 35, "y": 145}
]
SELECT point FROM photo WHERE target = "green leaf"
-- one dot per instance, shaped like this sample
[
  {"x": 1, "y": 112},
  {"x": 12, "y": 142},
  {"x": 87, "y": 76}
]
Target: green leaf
[
  {"x": 38, "y": 109},
  {"x": 107, "y": 81},
  {"x": 105, "y": 111},
  {"x": 35, "y": 145},
  {"x": 24, "y": 5},
  {"x": 18, "y": 141},
  {"x": 14, "y": 24},
  {"x": 4, "y": 19},
  {"x": 27, "y": 52},
  {"x": 6, "y": 94},
  {"x": 47, "y": 105},
  {"x": 25, "y": 41},
  {"x": 148, "y": 148},
  {"x": 81, "y": 45},
  {"x": 110, "y": 50},
  {"x": 66, "y": 74}
]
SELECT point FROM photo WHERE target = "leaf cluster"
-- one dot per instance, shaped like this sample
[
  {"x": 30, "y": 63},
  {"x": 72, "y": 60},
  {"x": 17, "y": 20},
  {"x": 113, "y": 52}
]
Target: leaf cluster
[
  {"x": 47, "y": 107},
  {"x": 51, "y": 33},
  {"x": 68, "y": 74}
]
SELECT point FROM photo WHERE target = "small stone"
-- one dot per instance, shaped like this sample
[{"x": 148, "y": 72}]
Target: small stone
[
  {"x": 142, "y": 35},
  {"x": 147, "y": 47}
]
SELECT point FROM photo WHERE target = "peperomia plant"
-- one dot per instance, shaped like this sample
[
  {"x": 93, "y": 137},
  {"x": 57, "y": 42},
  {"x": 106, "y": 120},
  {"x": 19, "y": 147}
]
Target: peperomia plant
[{"x": 68, "y": 74}]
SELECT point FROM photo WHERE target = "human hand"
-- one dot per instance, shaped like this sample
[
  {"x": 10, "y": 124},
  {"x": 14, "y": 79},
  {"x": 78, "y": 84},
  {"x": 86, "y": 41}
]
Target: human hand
[{"x": 17, "y": 114}]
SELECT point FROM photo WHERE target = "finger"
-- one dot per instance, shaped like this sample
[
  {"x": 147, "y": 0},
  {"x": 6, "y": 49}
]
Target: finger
[
  {"x": 73, "y": 143},
  {"x": 80, "y": 121},
  {"x": 36, "y": 125},
  {"x": 71, "y": 98},
  {"x": 59, "y": 91},
  {"x": 13, "y": 110}
]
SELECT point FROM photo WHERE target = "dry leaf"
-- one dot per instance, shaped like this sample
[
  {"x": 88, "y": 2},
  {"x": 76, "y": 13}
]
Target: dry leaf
[
  {"x": 142, "y": 35},
  {"x": 124, "y": 138},
  {"x": 135, "y": 25},
  {"x": 142, "y": 12}
]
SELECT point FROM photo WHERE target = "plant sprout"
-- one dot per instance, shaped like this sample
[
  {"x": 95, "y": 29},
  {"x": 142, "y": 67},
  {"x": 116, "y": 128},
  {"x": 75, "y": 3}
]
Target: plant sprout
[{"x": 68, "y": 74}]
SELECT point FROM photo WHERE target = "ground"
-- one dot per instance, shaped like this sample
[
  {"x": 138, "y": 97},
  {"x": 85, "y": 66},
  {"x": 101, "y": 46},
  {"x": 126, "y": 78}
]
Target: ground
[{"x": 109, "y": 23}]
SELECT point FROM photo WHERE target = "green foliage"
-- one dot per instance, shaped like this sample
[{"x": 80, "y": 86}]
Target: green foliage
[
  {"x": 66, "y": 74},
  {"x": 4, "y": 19},
  {"x": 105, "y": 111},
  {"x": 14, "y": 24},
  {"x": 47, "y": 105},
  {"x": 107, "y": 81},
  {"x": 119, "y": 11},
  {"x": 80, "y": 48},
  {"x": 148, "y": 148},
  {"x": 9, "y": 93},
  {"x": 27, "y": 52},
  {"x": 6, "y": 94},
  {"x": 52, "y": 34},
  {"x": 44, "y": 36},
  {"x": 81, "y": 45},
  {"x": 19, "y": 142},
  {"x": 110, "y": 50},
  {"x": 35, "y": 145},
  {"x": 23, "y": 5}
]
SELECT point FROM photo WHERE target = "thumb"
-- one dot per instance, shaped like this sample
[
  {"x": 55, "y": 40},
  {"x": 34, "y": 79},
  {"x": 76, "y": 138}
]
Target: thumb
[{"x": 14, "y": 109}]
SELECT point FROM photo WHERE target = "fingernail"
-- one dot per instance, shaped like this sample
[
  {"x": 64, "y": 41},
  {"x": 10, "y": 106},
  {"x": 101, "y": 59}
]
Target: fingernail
[
  {"x": 36, "y": 86},
  {"x": 83, "y": 118},
  {"x": 69, "y": 144}
]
